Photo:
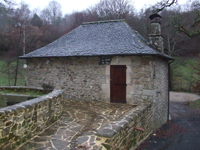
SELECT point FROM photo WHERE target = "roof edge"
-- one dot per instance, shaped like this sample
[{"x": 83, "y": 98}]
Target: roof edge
[
  {"x": 160, "y": 55},
  {"x": 103, "y": 21}
]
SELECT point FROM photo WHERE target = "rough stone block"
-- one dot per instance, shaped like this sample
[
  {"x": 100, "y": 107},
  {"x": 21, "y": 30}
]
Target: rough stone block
[
  {"x": 130, "y": 89},
  {"x": 20, "y": 125},
  {"x": 148, "y": 92}
]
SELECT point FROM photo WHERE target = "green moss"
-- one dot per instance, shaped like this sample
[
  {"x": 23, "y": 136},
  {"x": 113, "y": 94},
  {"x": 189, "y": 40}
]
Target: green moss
[
  {"x": 106, "y": 146},
  {"x": 14, "y": 128},
  {"x": 32, "y": 127},
  {"x": 14, "y": 145},
  {"x": 38, "y": 129},
  {"x": 19, "y": 126},
  {"x": 9, "y": 123},
  {"x": 25, "y": 133},
  {"x": 107, "y": 141},
  {"x": 16, "y": 138},
  {"x": 24, "y": 139},
  {"x": 54, "y": 119},
  {"x": 18, "y": 142},
  {"x": 23, "y": 123},
  {"x": 124, "y": 142},
  {"x": 5, "y": 131},
  {"x": 11, "y": 136},
  {"x": 3, "y": 140}
]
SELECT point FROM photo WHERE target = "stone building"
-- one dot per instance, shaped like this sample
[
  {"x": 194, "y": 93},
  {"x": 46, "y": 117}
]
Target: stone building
[{"x": 104, "y": 61}]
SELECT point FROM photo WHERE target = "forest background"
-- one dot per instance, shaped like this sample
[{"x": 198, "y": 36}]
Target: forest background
[{"x": 23, "y": 30}]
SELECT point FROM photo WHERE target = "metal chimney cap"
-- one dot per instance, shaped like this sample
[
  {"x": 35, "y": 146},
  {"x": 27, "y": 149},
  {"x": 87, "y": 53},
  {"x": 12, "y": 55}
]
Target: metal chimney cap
[{"x": 154, "y": 16}]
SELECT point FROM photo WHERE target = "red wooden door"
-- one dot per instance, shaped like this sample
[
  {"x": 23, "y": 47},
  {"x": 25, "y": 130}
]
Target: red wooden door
[{"x": 118, "y": 83}]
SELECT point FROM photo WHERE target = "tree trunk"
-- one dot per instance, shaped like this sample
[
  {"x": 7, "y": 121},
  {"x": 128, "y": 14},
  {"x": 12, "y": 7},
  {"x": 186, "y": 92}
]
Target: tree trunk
[{"x": 16, "y": 72}]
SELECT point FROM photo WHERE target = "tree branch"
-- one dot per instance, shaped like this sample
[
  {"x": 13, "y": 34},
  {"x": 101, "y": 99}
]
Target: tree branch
[{"x": 165, "y": 4}]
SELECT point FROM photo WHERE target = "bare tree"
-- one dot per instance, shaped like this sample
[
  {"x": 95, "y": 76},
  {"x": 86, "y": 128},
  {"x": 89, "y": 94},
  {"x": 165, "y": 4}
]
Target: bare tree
[
  {"x": 15, "y": 33},
  {"x": 22, "y": 19},
  {"x": 164, "y": 4},
  {"x": 6, "y": 7},
  {"x": 170, "y": 35},
  {"x": 191, "y": 27},
  {"x": 22, "y": 15},
  {"x": 113, "y": 9},
  {"x": 52, "y": 12}
]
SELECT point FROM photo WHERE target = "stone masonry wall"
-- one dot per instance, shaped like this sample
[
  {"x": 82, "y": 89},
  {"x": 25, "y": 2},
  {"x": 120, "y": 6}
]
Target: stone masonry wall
[
  {"x": 80, "y": 78},
  {"x": 20, "y": 122},
  {"x": 84, "y": 79},
  {"x": 160, "y": 101},
  {"x": 139, "y": 78},
  {"x": 129, "y": 130},
  {"x": 142, "y": 79}
]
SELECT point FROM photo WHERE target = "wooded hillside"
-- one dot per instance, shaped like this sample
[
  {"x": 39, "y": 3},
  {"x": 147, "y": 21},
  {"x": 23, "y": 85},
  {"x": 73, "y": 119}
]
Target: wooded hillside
[{"x": 23, "y": 30}]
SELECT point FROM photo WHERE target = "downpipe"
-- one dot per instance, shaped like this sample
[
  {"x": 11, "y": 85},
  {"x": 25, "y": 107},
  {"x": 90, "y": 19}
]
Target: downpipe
[{"x": 169, "y": 87}]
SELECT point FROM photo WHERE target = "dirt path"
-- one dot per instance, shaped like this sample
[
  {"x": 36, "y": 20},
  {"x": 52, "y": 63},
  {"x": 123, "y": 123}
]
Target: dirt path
[
  {"x": 183, "y": 97},
  {"x": 178, "y": 104}
]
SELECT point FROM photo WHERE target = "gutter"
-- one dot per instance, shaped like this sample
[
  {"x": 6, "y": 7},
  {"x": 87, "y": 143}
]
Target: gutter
[{"x": 169, "y": 87}]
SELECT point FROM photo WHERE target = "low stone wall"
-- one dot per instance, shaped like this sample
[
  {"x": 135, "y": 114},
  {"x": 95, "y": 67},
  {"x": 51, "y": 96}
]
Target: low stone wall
[
  {"x": 22, "y": 121},
  {"x": 24, "y": 89},
  {"x": 12, "y": 99},
  {"x": 128, "y": 131}
]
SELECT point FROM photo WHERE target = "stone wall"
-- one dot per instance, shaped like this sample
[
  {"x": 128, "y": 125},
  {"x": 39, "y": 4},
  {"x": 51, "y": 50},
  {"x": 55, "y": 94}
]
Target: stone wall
[
  {"x": 20, "y": 122},
  {"x": 160, "y": 100},
  {"x": 129, "y": 130},
  {"x": 82, "y": 78},
  {"x": 15, "y": 94},
  {"x": 139, "y": 78}
]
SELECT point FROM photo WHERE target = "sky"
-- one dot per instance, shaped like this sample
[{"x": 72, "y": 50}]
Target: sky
[{"x": 69, "y": 6}]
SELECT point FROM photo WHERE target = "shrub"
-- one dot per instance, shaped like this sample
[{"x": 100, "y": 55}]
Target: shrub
[
  {"x": 196, "y": 86},
  {"x": 48, "y": 86}
]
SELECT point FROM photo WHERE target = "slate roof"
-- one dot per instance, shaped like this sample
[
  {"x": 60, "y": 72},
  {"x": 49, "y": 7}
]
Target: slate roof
[{"x": 102, "y": 38}]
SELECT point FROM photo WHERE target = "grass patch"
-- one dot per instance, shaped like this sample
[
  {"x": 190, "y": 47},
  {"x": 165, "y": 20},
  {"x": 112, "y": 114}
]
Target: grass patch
[
  {"x": 30, "y": 92},
  {"x": 7, "y": 73},
  {"x": 183, "y": 74},
  {"x": 195, "y": 104}
]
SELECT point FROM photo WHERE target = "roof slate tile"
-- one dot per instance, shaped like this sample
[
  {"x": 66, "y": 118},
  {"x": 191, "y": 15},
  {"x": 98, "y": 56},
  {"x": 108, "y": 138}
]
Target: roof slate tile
[{"x": 98, "y": 39}]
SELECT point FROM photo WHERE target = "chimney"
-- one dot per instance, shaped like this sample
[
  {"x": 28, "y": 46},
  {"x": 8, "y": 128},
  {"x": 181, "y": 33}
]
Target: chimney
[{"x": 155, "y": 37}]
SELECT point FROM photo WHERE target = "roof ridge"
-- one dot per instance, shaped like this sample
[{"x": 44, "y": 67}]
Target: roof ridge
[{"x": 103, "y": 21}]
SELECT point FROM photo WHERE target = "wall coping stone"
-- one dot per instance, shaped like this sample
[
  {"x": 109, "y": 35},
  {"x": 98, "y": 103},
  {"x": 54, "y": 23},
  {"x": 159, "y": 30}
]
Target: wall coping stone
[
  {"x": 31, "y": 102},
  {"x": 21, "y": 95},
  {"x": 21, "y": 87},
  {"x": 111, "y": 129}
]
